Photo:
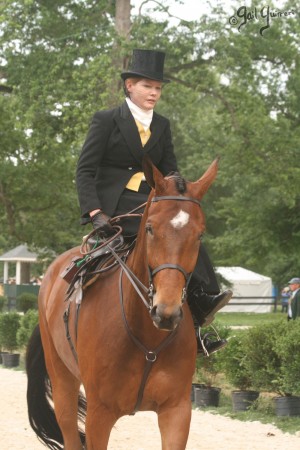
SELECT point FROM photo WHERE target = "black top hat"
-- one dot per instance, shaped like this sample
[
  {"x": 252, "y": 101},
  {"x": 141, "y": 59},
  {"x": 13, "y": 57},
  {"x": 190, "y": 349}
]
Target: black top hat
[{"x": 146, "y": 64}]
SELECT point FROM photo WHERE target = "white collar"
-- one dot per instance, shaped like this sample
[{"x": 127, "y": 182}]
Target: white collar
[{"x": 142, "y": 115}]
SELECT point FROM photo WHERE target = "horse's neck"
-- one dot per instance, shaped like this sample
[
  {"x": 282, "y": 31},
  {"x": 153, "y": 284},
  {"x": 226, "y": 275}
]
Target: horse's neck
[
  {"x": 136, "y": 259},
  {"x": 136, "y": 312}
]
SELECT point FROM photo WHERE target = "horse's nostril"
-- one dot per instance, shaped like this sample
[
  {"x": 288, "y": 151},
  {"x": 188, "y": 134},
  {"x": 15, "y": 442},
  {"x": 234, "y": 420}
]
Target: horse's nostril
[
  {"x": 180, "y": 313},
  {"x": 153, "y": 312},
  {"x": 163, "y": 321}
]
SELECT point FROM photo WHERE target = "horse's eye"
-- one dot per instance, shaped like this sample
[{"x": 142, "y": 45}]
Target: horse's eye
[
  {"x": 200, "y": 236},
  {"x": 148, "y": 228}
]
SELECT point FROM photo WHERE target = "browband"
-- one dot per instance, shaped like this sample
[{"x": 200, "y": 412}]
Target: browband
[{"x": 175, "y": 197}]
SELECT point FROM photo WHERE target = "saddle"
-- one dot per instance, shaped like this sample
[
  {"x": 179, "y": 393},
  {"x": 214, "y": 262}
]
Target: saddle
[{"x": 84, "y": 270}]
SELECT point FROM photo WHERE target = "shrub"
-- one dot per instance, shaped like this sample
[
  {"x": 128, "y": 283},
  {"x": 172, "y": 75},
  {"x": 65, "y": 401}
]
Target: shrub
[
  {"x": 262, "y": 359},
  {"x": 27, "y": 324},
  {"x": 232, "y": 361},
  {"x": 288, "y": 351},
  {"x": 9, "y": 325},
  {"x": 26, "y": 301},
  {"x": 3, "y": 302}
]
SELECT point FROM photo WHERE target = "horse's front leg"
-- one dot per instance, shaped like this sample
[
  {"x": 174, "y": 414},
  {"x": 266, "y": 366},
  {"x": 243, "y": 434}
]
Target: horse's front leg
[
  {"x": 99, "y": 423},
  {"x": 174, "y": 424}
]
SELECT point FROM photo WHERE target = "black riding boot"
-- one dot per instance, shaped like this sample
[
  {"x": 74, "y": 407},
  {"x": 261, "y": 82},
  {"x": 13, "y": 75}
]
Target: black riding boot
[
  {"x": 209, "y": 343},
  {"x": 203, "y": 308}
]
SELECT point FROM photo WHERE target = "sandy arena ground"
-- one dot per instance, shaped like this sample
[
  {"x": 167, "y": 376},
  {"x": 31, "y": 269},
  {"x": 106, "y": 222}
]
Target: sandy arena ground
[{"x": 208, "y": 431}]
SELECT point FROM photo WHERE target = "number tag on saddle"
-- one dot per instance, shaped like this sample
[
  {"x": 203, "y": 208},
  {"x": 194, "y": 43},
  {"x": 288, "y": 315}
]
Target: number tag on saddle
[{"x": 70, "y": 271}]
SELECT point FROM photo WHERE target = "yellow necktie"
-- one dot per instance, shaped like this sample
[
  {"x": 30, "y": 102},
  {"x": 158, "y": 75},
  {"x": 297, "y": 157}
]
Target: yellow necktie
[{"x": 135, "y": 181}]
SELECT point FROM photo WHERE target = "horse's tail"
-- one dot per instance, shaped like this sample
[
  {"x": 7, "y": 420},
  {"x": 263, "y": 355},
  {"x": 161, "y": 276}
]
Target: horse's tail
[
  {"x": 41, "y": 414},
  {"x": 39, "y": 395}
]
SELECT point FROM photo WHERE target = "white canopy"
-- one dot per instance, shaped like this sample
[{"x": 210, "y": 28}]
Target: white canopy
[{"x": 247, "y": 287}]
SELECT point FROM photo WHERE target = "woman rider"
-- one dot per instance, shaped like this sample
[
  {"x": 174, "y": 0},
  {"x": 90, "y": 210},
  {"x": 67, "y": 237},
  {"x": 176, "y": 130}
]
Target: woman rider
[{"x": 110, "y": 181}]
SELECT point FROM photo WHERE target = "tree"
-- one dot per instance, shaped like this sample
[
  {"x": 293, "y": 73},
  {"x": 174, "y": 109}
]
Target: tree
[{"x": 61, "y": 62}]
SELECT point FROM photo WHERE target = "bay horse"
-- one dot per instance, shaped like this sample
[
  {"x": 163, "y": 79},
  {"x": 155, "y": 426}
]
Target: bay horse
[{"x": 128, "y": 355}]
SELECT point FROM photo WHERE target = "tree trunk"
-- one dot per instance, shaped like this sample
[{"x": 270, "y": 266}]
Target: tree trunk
[
  {"x": 120, "y": 62},
  {"x": 123, "y": 22}
]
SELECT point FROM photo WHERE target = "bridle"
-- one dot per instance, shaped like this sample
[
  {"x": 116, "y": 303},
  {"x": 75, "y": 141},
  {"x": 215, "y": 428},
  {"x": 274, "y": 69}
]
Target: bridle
[
  {"x": 135, "y": 281},
  {"x": 153, "y": 272},
  {"x": 150, "y": 355}
]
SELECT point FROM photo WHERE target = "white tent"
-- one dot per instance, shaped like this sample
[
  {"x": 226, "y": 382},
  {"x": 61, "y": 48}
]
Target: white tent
[{"x": 247, "y": 287}]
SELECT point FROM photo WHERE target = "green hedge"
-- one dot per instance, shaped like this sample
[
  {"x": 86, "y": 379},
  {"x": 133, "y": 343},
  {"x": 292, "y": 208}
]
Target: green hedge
[
  {"x": 9, "y": 325},
  {"x": 3, "y": 302},
  {"x": 27, "y": 324},
  {"x": 265, "y": 358},
  {"x": 232, "y": 363},
  {"x": 289, "y": 354},
  {"x": 26, "y": 301}
]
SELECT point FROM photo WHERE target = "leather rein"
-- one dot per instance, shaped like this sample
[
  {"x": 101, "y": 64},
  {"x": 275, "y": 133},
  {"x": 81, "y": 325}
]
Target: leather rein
[
  {"x": 134, "y": 280},
  {"x": 150, "y": 355}
]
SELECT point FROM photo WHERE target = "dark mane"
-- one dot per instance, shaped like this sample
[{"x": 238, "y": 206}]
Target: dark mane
[{"x": 180, "y": 182}]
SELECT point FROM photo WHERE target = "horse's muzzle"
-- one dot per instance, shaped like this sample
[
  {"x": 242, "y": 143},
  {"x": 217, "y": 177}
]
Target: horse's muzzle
[{"x": 165, "y": 320}]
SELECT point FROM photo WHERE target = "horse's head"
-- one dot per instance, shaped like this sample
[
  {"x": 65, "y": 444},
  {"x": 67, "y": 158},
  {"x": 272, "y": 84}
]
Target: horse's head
[{"x": 173, "y": 224}]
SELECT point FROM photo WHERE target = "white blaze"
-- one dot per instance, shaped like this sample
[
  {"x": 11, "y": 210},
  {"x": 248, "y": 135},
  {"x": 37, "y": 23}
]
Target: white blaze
[{"x": 180, "y": 220}]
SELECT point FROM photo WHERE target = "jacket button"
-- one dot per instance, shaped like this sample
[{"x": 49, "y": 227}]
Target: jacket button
[{"x": 129, "y": 168}]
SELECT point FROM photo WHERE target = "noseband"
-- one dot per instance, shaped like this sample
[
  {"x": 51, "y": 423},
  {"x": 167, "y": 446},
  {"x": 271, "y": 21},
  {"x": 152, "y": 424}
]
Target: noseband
[{"x": 186, "y": 275}]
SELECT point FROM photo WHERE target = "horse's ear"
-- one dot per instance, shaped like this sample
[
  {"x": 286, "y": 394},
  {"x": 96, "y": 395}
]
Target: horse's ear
[
  {"x": 203, "y": 184},
  {"x": 153, "y": 176}
]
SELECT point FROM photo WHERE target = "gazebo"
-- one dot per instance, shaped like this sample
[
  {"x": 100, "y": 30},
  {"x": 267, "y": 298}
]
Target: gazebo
[{"x": 22, "y": 258}]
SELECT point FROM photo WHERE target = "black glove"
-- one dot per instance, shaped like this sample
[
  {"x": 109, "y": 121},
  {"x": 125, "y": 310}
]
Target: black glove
[{"x": 101, "y": 223}]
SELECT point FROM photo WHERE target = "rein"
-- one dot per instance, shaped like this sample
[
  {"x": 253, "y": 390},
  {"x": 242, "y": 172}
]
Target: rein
[{"x": 150, "y": 355}]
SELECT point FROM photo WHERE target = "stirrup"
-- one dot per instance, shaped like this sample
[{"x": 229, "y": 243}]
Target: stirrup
[{"x": 205, "y": 340}]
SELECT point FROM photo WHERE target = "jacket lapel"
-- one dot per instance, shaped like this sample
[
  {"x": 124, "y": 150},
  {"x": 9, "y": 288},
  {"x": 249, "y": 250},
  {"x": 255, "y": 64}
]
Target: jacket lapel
[
  {"x": 157, "y": 128},
  {"x": 128, "y": 128},
  {"x": 130, "y": 132}
]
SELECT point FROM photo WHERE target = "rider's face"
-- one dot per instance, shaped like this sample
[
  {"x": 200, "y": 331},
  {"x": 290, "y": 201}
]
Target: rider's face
[{"x": 144, "y": 93}]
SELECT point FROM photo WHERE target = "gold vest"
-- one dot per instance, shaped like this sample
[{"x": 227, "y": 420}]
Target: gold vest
[{"x": 135, "y": 181}]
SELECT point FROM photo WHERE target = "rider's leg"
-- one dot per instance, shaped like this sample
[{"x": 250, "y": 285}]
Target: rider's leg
[{"x": 205, "y": 299}]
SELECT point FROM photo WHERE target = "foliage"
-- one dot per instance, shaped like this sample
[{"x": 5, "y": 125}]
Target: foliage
[
  {"x": 3, "y": 302},
  {"x": 262, "y": 359},
  {"x": 26, "y": 301},
  {"x": 27, "y": 324},
  {"x": 232, "y": 362},
  {"x": 233, "y": 94},
  {"x": 271, "y": 354},
  {"x": 9, "y": 325},
  {"x": 288, "y": 350}
]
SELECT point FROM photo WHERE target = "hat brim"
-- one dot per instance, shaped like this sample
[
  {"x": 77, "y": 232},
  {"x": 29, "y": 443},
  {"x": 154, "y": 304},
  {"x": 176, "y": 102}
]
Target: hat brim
[{"x": 125, "y": 75}]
